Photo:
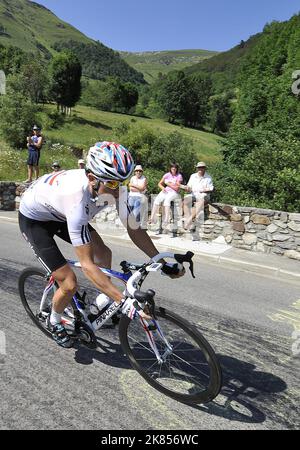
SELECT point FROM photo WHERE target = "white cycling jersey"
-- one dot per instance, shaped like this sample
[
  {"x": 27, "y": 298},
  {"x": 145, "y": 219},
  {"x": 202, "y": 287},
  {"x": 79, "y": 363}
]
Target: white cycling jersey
[{"x": 62, "y": 197}]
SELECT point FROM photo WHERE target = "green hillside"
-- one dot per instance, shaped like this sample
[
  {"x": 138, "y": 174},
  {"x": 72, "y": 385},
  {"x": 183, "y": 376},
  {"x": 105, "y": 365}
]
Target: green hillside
[
  {"x": 153, "y": 63},
  {"x": 225, "y": 67},
  {"x": 33, "y": 28}
]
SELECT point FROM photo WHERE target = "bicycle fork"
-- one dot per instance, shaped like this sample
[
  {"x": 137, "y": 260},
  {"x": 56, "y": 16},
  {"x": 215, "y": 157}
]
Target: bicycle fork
[{"x": 149, "y": 333}]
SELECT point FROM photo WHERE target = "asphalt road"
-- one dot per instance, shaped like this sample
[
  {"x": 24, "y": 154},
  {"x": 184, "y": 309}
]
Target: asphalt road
[{"x": 248, "y": 318}]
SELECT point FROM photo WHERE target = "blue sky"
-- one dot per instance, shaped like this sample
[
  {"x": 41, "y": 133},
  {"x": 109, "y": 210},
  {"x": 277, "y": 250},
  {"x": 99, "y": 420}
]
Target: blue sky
[{"x": 144, "y": 25}]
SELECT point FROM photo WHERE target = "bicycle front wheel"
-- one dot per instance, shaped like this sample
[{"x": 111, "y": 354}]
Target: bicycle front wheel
[{"x": 187, "y": 370}]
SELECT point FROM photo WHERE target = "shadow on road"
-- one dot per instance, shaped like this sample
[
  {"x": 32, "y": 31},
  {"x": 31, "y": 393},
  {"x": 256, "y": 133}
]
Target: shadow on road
[
  {"x": 109, "y": 351},
  {"x": 247, "y": 395}
]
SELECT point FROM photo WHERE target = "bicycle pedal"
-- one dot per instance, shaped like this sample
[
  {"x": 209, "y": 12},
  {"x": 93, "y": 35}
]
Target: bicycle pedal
[{"x": 42, "y": 316}]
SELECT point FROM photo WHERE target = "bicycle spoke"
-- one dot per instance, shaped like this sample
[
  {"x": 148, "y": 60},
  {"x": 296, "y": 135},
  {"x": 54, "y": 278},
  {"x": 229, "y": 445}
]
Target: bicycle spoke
[{"x": 184, "y": 370}]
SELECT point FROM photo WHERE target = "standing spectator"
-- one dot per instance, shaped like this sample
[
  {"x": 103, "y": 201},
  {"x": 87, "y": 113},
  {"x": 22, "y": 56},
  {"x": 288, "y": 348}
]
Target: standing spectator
[
  {"x": 170, "y": 186},
  {"x": 201, "y": 186},
  {"x": 137, "y": 201},
  {"x": 81, "y": 164},
  {"x": 56, "y": 166},
  {"x": 34, "y": 144}
]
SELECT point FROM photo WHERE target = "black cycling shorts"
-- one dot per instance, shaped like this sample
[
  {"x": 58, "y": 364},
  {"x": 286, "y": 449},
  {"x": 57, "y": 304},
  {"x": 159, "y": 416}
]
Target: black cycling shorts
[{"x": 40, "y": 237}]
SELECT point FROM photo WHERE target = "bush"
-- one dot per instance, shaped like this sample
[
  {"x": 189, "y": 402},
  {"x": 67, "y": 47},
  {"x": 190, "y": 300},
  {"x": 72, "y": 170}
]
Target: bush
[
  {"x": 157, "y": 151},
  {"x": 17, "y": 115},
  {"x": 12, "y": 163},
  {"x": 268, "y": 175}
]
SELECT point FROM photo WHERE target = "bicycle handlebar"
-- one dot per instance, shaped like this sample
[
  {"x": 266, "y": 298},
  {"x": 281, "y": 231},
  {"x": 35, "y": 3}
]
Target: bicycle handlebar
[
  {"x": 187, "y": 257},
  {"x": 132, "y": 290}
]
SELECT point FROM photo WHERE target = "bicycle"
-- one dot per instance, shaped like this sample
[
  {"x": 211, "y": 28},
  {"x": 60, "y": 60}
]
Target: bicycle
[{"x": 167, "y": 351}]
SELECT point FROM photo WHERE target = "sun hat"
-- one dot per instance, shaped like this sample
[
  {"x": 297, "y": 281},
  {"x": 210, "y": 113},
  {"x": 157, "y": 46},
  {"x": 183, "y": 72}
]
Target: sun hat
[
  {"x": 138, "y": 167},
  {"x": 201, "y": 164}
]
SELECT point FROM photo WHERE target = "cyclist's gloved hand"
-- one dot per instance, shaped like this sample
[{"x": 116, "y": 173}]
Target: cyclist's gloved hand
[
  {"x": 132, "y": 308},
  {"x": 173, "y": 270}
]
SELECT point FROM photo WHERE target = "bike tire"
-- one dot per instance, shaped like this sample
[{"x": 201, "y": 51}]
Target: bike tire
[
  {"x": 210, "y": 366},
  {"x": 36, "y": 282},
  {"x": 39, "y": 275}
]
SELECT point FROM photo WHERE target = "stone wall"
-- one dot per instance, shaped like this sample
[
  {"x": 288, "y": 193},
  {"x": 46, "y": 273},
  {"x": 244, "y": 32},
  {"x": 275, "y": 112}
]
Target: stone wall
[
  {"x": 10, "y": 193},
  {"x": 259, "y": 230}
]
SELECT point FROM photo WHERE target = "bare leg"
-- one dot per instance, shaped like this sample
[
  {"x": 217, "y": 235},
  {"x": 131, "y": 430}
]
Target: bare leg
[
  {"x": 30, "y": 172},
  {"x": 67, "y": 282},
  {"x": 37, "y": 172}
]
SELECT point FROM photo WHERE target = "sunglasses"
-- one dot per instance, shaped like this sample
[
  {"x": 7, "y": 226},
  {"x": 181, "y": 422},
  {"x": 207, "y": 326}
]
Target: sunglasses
[{"x": 112, "y": 184}]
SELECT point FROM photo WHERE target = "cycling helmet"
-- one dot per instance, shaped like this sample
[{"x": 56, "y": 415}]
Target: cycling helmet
[{"x": 109, "y": 161}]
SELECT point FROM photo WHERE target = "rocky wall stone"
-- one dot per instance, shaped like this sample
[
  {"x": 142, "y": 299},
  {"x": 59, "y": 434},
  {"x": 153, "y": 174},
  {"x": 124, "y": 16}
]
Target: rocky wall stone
[{"x": 255, "y": 229}]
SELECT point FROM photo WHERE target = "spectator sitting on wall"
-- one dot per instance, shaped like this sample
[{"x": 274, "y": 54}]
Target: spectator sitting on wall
[
  {"x": 170, "y": 186},
  {"x": 201, "y": 186},
  {"x": 137, "y": 201}
]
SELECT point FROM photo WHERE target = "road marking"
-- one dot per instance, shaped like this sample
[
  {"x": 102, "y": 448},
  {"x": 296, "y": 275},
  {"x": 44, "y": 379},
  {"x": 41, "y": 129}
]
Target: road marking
[
  {"x": 289, "y": 316},
  {"x": 152, "y": 405}
]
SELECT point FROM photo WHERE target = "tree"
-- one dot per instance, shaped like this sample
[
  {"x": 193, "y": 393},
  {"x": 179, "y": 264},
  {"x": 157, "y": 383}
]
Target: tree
[
  {"x": 196, "y": 106},
  {"x": 220, "y": 114},
  {"x": 65, "y": 75},
  {"x": 110, "y": 95},
  {"x": 130, "y": 96},
  {"x": 17, "y": 114},
  {"x": 36, "y": 81},
  {"x": 172, "y": 95}
]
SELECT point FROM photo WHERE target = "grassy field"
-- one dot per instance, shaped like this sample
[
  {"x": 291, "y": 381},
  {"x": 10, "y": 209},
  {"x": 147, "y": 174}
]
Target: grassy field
[
  {"x": 89, "y": 125},
  {"x": 84, "y": 128}
]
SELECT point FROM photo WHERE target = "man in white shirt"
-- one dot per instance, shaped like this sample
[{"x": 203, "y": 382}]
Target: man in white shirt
[{"x": 200, "y": 185}]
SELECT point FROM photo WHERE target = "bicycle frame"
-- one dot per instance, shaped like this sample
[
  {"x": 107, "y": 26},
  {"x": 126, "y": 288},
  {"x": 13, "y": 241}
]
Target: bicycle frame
[{"x": 100, "y": 321}]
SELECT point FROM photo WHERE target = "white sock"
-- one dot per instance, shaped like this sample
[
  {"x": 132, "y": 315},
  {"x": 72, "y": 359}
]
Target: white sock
[{"x": 55, "y": 318}]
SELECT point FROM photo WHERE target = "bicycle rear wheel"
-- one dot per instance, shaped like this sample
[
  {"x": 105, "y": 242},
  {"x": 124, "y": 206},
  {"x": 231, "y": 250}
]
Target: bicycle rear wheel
[
  {"x": 190, "y": 371},
  {"x": 32, "y": 283}
]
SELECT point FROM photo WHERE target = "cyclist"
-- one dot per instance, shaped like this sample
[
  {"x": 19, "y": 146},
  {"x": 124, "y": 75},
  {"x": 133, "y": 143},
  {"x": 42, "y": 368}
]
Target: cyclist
[{"x": 62, "y": 204}]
